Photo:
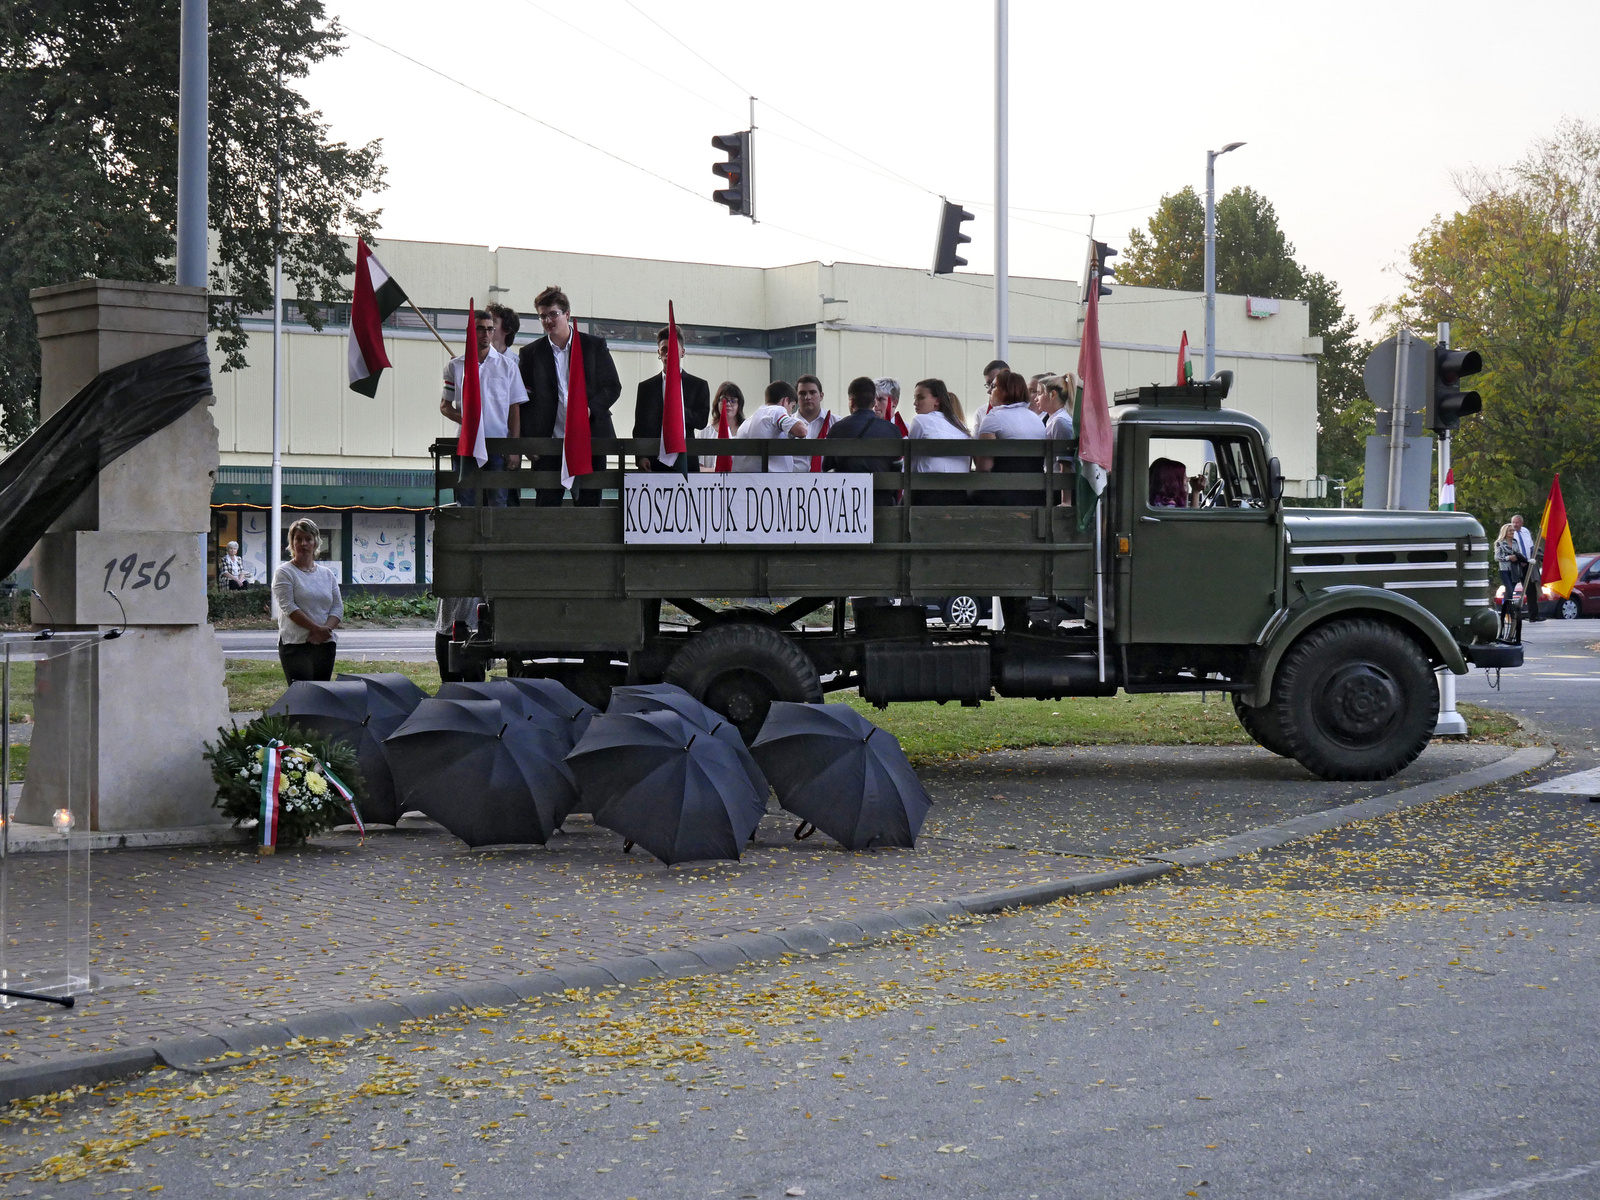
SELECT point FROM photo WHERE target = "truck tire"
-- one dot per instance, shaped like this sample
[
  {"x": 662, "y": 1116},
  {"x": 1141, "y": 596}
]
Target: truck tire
[
  {"x": 1262, "y": 725},
  {"x": 1356, "y": 699},
  {"x": 739, "y": 670}
]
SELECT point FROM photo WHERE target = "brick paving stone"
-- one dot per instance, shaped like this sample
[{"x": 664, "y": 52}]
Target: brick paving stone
[{"x": 214, "y": 937}]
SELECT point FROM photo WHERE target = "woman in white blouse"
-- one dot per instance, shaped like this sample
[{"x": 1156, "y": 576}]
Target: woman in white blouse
[
  {"x": 310, "y": 607},
  {"x": 938, "y": 417}
]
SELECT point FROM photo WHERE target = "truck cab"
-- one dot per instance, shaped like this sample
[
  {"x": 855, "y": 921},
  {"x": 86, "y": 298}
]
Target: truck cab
[{"x": 1326, "y": 626}]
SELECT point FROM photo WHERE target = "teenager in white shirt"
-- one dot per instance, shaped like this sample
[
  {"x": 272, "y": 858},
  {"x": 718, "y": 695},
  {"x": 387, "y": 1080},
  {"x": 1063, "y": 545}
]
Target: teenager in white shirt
[
  {"x": 501, "y": 395},
  {"x": 819, "y": 421},
  {"x": 939, "y": 418},
  {"x": 776, "y": 418}
]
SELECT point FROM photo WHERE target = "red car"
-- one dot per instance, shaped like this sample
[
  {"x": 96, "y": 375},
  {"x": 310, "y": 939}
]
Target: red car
[{"x": 1584, "y": 600}]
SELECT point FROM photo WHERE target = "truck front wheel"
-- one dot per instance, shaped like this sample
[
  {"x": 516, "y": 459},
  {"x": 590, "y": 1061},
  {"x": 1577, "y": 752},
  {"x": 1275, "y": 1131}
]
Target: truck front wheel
[
  {"x": 1356, "y": 699},
  {"x": 739, "y": 670},
  {"x": 1262, "y": 725}
]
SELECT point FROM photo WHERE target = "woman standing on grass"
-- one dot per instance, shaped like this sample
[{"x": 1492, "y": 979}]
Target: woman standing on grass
[{"x": 310, "y": 607}]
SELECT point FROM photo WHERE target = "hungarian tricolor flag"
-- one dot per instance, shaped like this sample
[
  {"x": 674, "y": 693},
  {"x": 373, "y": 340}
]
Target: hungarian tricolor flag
[
  {"x": 1560, "y": 570},
  {"x": 1447, "y": 492},
  {"x": 1093, "y": 418},
  {"x": 374, "y": 297},
  {"x": 672, "y": 432},
  {"x": 576, "y": 458},
  {"x": 1185, "y": 367},
  {"x": 470, "y": 442}
]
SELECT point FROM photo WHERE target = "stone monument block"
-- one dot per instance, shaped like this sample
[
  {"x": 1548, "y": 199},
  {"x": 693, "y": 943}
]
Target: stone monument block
[{"x": 137, "y": 532}]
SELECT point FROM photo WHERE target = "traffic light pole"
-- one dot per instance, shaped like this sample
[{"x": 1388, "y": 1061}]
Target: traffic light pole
[
  {"x": 1002, "y": 190},
  {"x": 1450, "y": 723}
]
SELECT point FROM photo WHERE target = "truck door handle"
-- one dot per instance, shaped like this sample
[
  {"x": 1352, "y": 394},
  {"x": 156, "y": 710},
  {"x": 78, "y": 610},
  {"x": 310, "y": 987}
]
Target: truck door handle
[{"x": 1151, "y": 520}]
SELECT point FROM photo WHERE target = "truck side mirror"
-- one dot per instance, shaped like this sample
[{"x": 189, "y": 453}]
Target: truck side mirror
[{"x": 1275, "y": 478}]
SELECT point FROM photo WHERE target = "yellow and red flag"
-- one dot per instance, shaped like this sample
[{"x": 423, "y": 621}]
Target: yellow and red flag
[{"x": 1560, "y": 570}]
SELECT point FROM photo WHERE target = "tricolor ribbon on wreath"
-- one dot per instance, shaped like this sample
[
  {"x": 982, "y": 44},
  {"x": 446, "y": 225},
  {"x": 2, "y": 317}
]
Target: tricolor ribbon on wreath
[{"x": 272, "y": 795}]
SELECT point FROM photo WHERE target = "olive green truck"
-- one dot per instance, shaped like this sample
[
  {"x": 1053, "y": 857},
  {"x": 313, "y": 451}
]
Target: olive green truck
[{"x": 1326, "y": 626}]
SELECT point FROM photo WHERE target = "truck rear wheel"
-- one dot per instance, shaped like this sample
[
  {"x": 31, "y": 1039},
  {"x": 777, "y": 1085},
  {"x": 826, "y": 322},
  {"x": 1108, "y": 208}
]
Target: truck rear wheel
[
  {"x": 739, "y": 670},
  {"x": 1262, "y": 725},
  {"x": 1356, "y": 699}
]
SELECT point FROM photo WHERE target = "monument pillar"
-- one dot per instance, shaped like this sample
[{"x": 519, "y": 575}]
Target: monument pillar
[{"x": 138, "y": 532}]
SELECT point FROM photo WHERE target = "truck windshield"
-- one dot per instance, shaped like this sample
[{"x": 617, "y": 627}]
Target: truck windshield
[{"x": 1207, "y": 473}]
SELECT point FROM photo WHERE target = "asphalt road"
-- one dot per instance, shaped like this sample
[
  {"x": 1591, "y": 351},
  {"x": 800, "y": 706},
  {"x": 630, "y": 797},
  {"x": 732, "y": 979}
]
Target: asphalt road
[{"x": 1557, "y": 690}]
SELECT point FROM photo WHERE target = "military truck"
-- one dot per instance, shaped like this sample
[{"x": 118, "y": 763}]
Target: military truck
[{"x": 1325, "y": 626}]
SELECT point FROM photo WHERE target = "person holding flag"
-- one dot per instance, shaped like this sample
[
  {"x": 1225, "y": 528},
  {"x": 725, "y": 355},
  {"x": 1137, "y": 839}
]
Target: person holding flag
[
  {"x": 649, "y": 407},
  {"x": 483, "y": 393},
  {"x": 569, "y": 397},
  {"x": 819, "y": 421}
]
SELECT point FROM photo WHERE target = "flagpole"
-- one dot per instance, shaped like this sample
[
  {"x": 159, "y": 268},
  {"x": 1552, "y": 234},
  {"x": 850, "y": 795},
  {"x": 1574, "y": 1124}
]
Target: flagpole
[
  {"x": 1099, "y": 584},
  {"x": 431, "y": 329},
  {"x": 275, "y": 523}
]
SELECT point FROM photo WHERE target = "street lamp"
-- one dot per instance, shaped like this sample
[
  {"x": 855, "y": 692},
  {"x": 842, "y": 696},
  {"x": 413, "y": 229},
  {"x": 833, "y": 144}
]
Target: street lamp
[{"x": 1211, "y": 255}]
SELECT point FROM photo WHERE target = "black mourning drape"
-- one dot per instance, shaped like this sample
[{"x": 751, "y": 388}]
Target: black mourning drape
[{"x": 109, "y": 416}]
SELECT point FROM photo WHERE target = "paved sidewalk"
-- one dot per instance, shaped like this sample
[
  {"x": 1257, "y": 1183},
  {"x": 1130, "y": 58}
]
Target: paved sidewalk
[{"x": 204, "y": 938}]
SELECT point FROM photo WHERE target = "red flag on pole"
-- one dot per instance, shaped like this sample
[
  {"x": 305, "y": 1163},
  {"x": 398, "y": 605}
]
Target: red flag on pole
[
  {"x": 672, "y": 433},
  {"x": 1559, "y": 568},
  {"x": 1184, "y": 370},
  {"x": 576, "y": 458},
  {"x": 470, "y": 442},
  {"x": 1094, "y": 412},
  {"x": 827, "y": 424},
  {"x": 724, "y": 461}
]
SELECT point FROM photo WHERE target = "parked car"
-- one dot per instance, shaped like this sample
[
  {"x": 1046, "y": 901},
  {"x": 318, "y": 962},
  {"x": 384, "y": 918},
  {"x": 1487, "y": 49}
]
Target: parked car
[{"x": 1584, "y": 600}]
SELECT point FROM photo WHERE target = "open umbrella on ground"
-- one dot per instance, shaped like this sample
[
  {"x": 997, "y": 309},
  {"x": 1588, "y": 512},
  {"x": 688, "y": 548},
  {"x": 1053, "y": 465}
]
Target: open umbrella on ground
[
  {"x": 667, "y": 784},
  {"x": 486, "y": 774},
  {"x": 669, "y": 697},
  {"x": 398, "y": 691},
  {"x": 346, "y": 711},
  {"x": 836, "y": 770},
  {"x": 516, "y": 701},
  {"x": 559, "y": 699}
]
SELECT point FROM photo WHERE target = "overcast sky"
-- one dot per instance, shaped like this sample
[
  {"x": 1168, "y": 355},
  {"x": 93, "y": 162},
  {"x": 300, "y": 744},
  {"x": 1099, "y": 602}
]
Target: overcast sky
[{"x": 1357, "y": 116}]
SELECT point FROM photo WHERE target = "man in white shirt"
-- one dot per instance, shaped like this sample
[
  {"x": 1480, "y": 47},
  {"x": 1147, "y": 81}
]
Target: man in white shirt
[
  {"x": 501, "y": 395},
  {"x": 818, "y": 419},
  {"x": 776, "y": 418}
]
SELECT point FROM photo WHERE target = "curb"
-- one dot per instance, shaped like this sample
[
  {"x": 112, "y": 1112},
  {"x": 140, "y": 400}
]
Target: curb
[{"x": 223, "y": 1048}]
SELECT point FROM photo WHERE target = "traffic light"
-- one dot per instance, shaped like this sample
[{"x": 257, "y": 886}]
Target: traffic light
[
  {"x": 945, "y": 258},
  {"x": 739, "y": 197},
  {"x": 1101, "y": 252},
  {"x": 1447, "y": 403}
]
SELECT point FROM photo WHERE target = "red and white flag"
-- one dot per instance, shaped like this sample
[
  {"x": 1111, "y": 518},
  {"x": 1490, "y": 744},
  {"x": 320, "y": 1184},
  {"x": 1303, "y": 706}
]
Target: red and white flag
[
  {"x": 576, "y": 457},
  {"x": 470, "y": 442},
  {"x": 375, "y": 295},
  {"x": 1185, "y": 367},
  {"x": 1447, "y": 491},
  {"x": 827, "y": 424},
  {"x": 672, "y": 432},
  {"x": 1094, "y": 412}
]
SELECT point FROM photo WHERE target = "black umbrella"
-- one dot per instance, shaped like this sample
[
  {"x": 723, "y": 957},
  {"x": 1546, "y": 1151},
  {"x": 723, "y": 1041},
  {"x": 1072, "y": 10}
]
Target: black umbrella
[
  {"x": 344, "y": 711},
  {"x": 836, "y": 770},
  {"x": 559, "y": 699},
  {"x": 398, "y": 691},
  {"x": 667, "y": 784},
  {"x": 668, "y": 697},
  {"x": 487, "y": 775},
  {"x": 516, "y": 701}
]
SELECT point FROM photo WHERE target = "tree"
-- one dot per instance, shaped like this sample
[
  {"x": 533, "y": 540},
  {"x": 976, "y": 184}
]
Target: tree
[
  {"x": 1255, "y": 258},
  {"x": 1518, "y": 277},
  {"x": 88, "y": 163}
]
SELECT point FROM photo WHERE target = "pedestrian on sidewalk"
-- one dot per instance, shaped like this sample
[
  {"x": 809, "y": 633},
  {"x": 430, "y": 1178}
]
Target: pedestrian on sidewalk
[
  {"x": 310, "y": 607},
  {"x": 1505, "y": 561}
]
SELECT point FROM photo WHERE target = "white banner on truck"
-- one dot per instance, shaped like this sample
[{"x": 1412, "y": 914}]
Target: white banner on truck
[{"x": 746, "y": 509}]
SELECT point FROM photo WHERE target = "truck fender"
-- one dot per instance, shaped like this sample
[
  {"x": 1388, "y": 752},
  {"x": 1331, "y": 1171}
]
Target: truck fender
[{"x": 1287, "y": 626}]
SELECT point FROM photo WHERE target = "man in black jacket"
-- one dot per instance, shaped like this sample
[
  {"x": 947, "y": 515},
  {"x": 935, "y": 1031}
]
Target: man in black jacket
[
  {"x": 545, "y": 371},
  {"x": 649, "y": 399},
  {"x": 864, "y": 423}
]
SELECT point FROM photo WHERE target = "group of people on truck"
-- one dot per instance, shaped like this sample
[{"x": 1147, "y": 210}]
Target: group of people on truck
[{"x": 524, "y": 394}]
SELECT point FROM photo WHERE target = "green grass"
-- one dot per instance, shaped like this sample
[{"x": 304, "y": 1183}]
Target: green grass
[
  {"x": 253, "y": 684},
  {"x": 932, "y": 733}
]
